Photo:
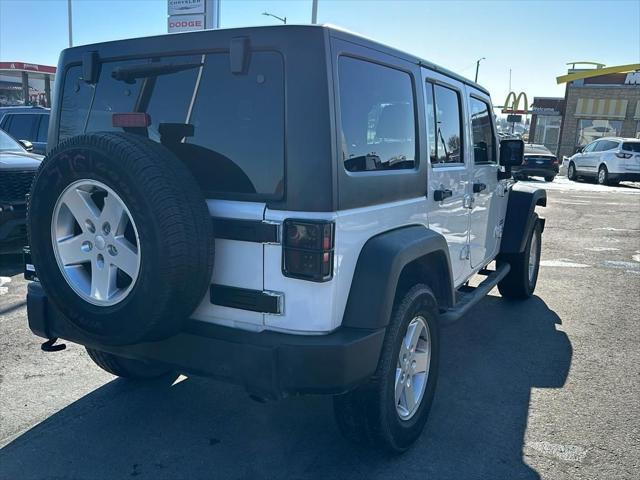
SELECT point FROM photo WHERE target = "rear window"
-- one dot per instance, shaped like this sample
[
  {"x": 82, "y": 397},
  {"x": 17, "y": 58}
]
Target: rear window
[
  {"x": 227, "y": 128},
  {"x": 631, "y": 146},
  {"x": 43, "y": 129},
  {"x": 74, "y": 105},
  {"x": 21, "y": 126}
]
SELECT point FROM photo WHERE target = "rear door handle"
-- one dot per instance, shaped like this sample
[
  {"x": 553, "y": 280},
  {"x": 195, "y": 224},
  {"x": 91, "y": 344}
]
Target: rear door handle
[
  {"x": 440, "y": 195},
  {"x": 479, "y": 187}
]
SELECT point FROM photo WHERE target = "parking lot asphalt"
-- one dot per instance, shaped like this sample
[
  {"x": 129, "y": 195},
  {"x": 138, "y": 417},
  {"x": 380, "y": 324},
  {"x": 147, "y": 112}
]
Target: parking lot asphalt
[{"x": 546, "y": 388}]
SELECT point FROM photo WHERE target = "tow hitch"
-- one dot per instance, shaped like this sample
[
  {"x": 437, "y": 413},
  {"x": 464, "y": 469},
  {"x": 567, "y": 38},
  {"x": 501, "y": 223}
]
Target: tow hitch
[{"x": 49, "y": 345}]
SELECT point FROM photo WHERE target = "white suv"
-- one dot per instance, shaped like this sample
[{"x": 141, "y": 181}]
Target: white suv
[
  {"x": 347, "y": 191},
  {"x": 608, "y": 160}
]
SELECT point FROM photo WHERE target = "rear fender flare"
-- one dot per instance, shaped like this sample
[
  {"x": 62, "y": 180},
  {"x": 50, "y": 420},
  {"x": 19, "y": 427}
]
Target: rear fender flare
[{"x": 380, "y": 265}]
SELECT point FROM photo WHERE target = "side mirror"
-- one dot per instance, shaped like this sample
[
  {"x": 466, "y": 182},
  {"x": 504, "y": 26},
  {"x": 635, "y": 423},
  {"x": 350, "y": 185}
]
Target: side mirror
[
  {"x": 28, "y": 146},
  {"x": 511, "y": 152},
  {"x": 579, "y": 149}
]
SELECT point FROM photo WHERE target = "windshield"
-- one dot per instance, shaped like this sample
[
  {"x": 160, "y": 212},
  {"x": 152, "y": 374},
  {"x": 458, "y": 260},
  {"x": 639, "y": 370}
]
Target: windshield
[{"x": 8, "y": 144}]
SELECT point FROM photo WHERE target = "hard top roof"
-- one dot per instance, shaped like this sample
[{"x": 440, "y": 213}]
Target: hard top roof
[{"x": 333, "y": 30}]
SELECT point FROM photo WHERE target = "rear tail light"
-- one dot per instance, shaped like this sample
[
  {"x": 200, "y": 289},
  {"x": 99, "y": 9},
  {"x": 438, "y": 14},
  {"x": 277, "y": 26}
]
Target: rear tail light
[
  {"x": 554, "y": 161},
  {"x": 131, "y": 120},
  {"x": 624, "y": 155},
  {"x": 307, "y": 249}
]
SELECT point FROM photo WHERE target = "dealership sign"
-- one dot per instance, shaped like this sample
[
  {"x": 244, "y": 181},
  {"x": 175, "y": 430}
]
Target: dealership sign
[
  {"x": 185, "y": 7},
  {"x": 185, "y": 23}
]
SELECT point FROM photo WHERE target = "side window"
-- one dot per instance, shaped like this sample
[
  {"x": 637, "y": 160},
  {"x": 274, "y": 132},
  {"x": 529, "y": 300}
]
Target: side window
[
  {"x": 444, "y": 115},
  {"x": 43, "y": 130},
  {"x": 591, "y": 147},
  {"x": 378, "y": 118},
  {"x": 21, "y": 126},
  {"x": 484, "y": 150},
  {"x": 605, "y": 145}
]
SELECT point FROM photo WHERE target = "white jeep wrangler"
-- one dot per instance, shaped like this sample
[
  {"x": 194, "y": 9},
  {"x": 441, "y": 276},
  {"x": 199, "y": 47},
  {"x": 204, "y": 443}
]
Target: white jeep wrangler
[{"x": 350, "y": 192}]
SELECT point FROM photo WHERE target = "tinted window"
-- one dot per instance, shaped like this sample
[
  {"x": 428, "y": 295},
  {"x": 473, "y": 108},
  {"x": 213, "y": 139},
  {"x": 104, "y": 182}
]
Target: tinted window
[
  {"x": 377, "y": 115},
  {"x": 604, "y": 145},
  {"x": 631, "y": 146},
  {"x": 482, "y": 129},
  {"x": 43, "y": 129},
  {"x": 238, "y": 125},
  {"x": 445, "y": 124},
  {"x": 21, "y": 126},
  {"x": 169, "y": 95},
  {"x": 113, "y": 96},
  {"x": 74, "y": 108},
  {"x": 591, "y": 147}
]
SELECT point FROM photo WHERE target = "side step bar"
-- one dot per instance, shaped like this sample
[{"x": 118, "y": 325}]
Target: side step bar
[{"x": 469, "y": 296}]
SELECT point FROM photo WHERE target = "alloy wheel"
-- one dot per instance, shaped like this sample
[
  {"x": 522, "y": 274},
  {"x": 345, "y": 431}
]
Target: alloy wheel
[
  {"x": 412, "y": 370},
  {"x": 95, "y": 242}
]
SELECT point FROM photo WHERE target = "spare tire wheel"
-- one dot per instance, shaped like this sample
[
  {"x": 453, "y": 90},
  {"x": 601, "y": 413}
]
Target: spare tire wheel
[{"x": 121, "y": 237}]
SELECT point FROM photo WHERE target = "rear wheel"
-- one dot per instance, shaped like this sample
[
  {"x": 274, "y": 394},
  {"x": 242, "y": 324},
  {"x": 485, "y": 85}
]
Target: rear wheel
[
  {"x": 521, "y": 280},
  {"x": 126, "y": 367},
  {"x": 549, "y": 178},
  {"x": 390, "y": 411},
  {"x": 603, "y": 175},
  {"x": 571, "y": 172}
]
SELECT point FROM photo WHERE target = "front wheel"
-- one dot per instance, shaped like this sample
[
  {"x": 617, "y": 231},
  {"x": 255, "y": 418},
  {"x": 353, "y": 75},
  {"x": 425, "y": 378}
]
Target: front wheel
[
  {"x": 390, "y": 410},
  {"x": 521, "y": 280},
  {"x": 571, "y": 172}
]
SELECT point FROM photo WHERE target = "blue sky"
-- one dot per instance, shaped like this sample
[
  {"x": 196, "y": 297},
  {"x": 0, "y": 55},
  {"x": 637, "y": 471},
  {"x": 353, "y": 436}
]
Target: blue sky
[{"x": 533, "y": 38}]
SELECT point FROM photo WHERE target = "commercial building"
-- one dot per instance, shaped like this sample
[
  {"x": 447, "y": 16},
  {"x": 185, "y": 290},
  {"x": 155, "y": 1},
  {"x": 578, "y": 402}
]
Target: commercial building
[
  {"x": 546, "y": 121},
  {"x": 599, "y": 105},
  {"x": 25, "y": 84},
  {"x": 595, "y": 105}
]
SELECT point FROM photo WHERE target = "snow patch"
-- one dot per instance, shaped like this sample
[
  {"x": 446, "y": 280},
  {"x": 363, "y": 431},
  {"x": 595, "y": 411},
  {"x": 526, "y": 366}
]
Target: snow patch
[
  {"x": 562, "y": 262},
  {"x": 4, "y": 281}
]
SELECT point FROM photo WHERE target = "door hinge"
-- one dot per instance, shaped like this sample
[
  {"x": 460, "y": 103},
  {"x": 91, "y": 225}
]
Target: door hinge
[
  {"x": 468, "y": 201},
  {"x": 465, "y": 253},
  {"x": 499, "y": 229}
]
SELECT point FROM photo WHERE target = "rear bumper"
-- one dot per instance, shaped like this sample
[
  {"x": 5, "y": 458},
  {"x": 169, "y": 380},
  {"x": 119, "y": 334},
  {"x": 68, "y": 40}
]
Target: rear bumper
[
  {"x": 625, "y": 177},
  {"x": 268, "y": 364},
  {"x": 546, "y": 171}
]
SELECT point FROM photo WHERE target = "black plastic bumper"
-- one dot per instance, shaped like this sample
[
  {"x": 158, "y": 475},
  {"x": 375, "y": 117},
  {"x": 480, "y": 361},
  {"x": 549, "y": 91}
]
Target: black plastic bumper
[
  {"x": 268, "y": 364},
  {"x": 536, "y": 171},
  {"x": 624, "y": 177}
]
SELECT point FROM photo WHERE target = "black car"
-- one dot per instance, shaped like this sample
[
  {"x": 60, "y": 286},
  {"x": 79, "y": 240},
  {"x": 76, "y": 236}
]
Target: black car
[
  {"x": 538, "y": 162},
  {"x": 27, "y": 123},
  {"x": 17, "y": 169}
]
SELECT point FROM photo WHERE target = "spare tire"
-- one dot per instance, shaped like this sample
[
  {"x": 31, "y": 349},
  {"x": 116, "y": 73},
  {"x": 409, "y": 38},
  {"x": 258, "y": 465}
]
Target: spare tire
[{"x": 121, "y": 237}]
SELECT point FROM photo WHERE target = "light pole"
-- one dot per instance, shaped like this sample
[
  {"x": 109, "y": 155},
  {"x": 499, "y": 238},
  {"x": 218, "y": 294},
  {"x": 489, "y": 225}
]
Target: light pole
[
  {"x": 314, "y": 12},
  {"x": 478, "y": 66},
  {"x": 282, "y": 19},
  {"x": 70, "y": 22}
]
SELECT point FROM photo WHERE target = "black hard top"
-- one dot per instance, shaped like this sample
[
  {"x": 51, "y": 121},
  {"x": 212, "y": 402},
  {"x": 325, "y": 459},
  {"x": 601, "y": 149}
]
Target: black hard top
[{"x": 332, "y": 30}]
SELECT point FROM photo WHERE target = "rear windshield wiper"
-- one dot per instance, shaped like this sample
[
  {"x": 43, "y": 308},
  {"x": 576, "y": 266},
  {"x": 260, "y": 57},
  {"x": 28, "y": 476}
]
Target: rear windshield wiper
[{"x": 129, "y": 74}]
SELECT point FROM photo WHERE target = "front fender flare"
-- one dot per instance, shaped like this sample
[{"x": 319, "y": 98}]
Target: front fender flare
[{"x": 521, "y": 217}]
